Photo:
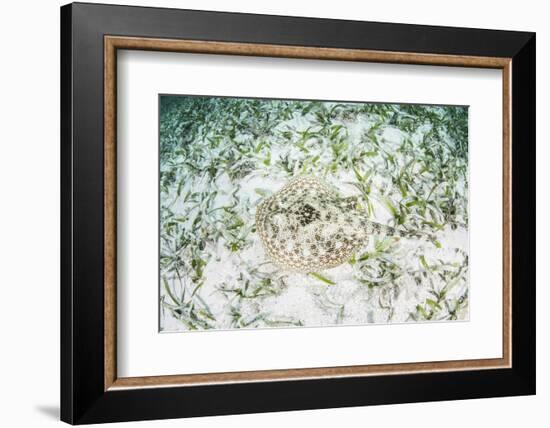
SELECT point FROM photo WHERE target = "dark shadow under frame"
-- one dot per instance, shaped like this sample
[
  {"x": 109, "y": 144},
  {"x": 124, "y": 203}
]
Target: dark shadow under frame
[{"x": 90, "y": 390}]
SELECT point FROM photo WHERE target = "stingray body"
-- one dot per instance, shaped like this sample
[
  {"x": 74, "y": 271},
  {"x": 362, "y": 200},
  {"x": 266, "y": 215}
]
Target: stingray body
[{"x": 307, "y": 226}]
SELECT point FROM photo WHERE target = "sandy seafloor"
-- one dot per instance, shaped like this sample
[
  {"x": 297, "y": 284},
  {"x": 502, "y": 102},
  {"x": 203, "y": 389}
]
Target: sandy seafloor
[{"x": 391, "y": 280}]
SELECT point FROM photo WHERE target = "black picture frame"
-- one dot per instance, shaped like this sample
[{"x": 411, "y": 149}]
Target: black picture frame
[{"x": 83, "y": 396}]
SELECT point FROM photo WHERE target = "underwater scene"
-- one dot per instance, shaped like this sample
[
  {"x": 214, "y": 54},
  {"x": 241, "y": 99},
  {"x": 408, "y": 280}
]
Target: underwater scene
[{"x": 295, "y": 213}]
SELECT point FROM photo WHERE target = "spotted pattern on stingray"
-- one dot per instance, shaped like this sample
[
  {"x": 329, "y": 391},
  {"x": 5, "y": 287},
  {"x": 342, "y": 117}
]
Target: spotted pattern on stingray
[{"x": 307, "y": 226}]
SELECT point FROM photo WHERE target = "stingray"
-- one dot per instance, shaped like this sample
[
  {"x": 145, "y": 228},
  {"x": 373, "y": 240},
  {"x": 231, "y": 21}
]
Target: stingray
[{"x": 308, "y": 226}]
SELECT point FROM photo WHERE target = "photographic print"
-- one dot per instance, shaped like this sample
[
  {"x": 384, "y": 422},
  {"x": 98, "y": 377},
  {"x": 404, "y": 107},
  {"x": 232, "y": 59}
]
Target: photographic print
[{"x": 282, "y": 213}]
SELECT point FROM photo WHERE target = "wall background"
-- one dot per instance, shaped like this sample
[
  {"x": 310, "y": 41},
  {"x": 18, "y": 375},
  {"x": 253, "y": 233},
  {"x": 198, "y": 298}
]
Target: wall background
[{"x": 29, "y": 214}]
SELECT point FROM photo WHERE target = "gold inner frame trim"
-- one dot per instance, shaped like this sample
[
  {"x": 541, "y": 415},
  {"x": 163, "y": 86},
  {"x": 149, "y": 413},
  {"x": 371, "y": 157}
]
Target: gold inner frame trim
[{"x": 113, "y": 43}]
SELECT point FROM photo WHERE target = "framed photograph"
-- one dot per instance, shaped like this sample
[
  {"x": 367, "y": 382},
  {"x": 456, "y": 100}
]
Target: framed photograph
[{"x": 265, "y": 213}]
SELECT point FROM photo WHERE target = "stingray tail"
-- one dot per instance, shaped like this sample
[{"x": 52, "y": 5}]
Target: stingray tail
[{"x": 381, "y": 229}]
